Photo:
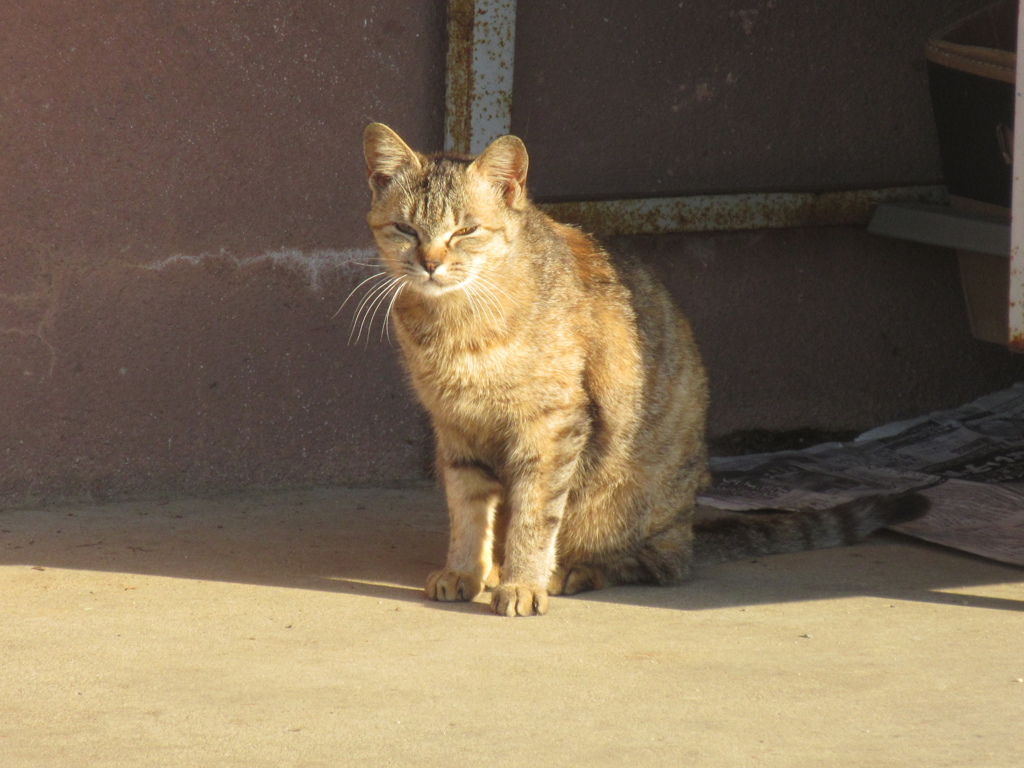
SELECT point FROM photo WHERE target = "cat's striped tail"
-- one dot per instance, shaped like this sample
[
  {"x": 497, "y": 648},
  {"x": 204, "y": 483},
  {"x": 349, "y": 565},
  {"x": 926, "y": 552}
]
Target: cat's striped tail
[{"x": 771, "y": 532}]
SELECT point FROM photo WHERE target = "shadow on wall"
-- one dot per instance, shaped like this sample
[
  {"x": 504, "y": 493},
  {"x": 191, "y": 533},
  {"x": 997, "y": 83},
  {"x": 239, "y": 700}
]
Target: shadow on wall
[{"x": 382, "y": 544}]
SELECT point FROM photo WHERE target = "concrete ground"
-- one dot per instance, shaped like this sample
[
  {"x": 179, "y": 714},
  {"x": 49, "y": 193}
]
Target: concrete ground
[{"x": 289, "y": 630}]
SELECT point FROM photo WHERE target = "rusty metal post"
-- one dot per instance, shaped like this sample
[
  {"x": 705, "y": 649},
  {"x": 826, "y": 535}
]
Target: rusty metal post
[
  {"x": 481, "y": 43},
  {"x": 1016, "y": 298}
]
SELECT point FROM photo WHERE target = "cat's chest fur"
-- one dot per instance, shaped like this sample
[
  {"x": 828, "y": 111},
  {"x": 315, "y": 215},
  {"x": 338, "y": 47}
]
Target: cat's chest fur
[{"x": 476, "y": 378}]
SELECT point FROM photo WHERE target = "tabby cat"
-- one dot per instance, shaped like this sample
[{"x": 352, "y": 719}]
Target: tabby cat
[{"x": 565, "y": 389}]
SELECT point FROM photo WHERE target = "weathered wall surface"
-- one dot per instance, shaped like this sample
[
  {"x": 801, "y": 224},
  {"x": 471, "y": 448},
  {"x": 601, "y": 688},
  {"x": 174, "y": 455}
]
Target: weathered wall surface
[
  {"x": 654, "y": 97},
  {"x": 843, "y": 330},
  {"x": 181, "y": 214},
  {"x": 826, "y": 327}
]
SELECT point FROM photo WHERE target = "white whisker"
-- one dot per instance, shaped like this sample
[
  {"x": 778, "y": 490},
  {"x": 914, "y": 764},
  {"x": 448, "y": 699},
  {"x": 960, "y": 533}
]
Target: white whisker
[
  {"x": 488, "y": 294},
  {"x": 387, "y": 317},
  {"x": 379, "y": 304},
  {"x": 352, "y": 292},
  {"x": 371, "y": 293},
  {"x": 360, "y": 321},
  {"x": 487, "y": 290},
  {"x": 486, "y": 304},
  {"x": 475, "y": 306},
  {"x": 494, "y": 286},
  {"x": 366, "y": 303},
  {"x": 371, "y": 308}
]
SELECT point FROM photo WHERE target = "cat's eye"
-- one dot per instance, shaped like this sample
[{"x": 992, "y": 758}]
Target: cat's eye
[
  {"x": 405, "y": 229},
  {"x": 464, "y": 231}
]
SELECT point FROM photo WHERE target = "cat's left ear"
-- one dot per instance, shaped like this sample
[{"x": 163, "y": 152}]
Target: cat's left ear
[
  {"x": 504, "y": 164},
  {"x": 386, "y": 154}
]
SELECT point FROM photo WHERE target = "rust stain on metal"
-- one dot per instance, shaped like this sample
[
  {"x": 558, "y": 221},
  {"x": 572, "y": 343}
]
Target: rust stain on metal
[
  {"x": 714, "y": 213},
  {"x": 1015, "y": 342},
  {"x": 479, "y": 60},
  {"x": 459, "y": 66}
]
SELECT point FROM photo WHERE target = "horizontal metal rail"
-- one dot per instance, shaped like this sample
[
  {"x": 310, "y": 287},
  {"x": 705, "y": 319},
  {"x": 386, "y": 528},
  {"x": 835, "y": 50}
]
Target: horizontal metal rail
[{"x": 724, "y": 213}]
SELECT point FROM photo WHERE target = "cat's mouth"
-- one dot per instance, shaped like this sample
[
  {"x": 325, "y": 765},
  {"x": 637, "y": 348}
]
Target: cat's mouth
[
  {"x": 429, "y": 285},
  {"x": 435, "y": 282}
]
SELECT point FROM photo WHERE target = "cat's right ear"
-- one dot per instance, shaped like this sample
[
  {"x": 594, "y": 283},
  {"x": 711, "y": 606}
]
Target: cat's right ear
[
  {"x": 386, "y": 154},
  {"x": 504, "y": 164}
]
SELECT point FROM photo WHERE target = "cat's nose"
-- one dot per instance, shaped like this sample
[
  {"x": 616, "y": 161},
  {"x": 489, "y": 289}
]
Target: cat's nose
[{"x": 430, "y": 259}]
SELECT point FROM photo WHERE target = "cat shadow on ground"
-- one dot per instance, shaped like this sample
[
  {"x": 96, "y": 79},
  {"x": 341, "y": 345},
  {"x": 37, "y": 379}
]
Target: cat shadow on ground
[
  {"x": 383, "y": 543},
  {"x": 888, "y": 566}
]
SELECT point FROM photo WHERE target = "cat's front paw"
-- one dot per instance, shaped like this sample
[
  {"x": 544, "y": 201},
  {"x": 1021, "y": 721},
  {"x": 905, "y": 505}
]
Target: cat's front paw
[
  {"x": 448, "y": 586},
  {"x": 519, "y": 600},
  {"x": 579, "y": 578}
]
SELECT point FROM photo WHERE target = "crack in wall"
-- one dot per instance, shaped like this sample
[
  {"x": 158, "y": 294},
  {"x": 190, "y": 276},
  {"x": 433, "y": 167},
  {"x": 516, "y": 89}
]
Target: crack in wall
[
  {"x": 313, "y": 265},
  {"x": 42, "y": 306},
  {"x": 32, "y": 315}
]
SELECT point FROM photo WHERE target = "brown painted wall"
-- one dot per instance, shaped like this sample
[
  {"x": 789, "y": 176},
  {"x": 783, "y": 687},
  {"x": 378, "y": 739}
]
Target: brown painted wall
[
  {"x": 656, "y": 97},
  {"x": 182, "y": 199},
  {"x": 827, "y": 328},
  {"x": 181, "y": 213}
]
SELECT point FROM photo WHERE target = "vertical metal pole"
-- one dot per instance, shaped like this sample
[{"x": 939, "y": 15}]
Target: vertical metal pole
[
  {"x": 1016, "y": 340},
  {"x": 481, "y": 48}
]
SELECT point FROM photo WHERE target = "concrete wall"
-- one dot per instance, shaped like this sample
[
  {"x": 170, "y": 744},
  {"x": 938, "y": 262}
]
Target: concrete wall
[
  {"x": 654, "y": 97},
  {"x": 182, "y": 200}
]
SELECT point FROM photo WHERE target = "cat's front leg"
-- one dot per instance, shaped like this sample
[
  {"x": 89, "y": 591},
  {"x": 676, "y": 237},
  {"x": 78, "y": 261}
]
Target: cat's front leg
[
  {"x": 536, "y": 502},
  {"x": 472, "y": 495}
]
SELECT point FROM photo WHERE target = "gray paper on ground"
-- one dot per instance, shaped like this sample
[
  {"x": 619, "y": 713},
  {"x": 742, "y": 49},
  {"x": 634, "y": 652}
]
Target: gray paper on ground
[{"x": 968, "y": 461}]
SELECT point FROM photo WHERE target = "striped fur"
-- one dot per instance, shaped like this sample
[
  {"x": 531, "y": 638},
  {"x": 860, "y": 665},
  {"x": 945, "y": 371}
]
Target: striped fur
[
  {"x": 565, "y": 389},
  {"x": 772, "y": 532}
]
